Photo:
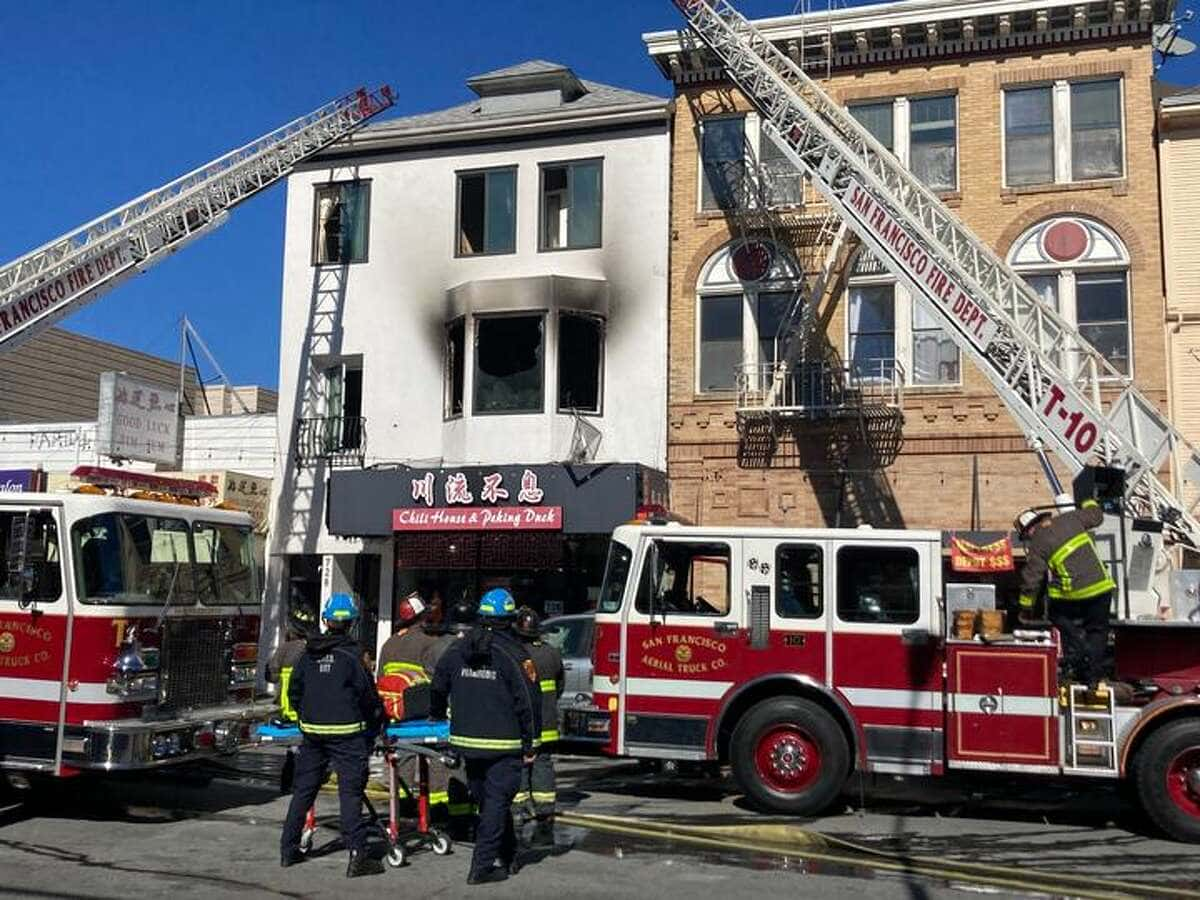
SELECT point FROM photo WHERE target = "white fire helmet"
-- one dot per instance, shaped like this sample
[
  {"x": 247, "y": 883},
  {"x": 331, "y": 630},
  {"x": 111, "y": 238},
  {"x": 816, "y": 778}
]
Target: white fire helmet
[{"x": 1028, "y": 519}]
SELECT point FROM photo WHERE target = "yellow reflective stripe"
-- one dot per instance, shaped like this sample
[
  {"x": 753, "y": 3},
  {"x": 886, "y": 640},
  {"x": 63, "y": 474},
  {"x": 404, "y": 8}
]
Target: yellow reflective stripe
[
  {"x": 285, "y": 702},
  {"x": 549, "y": 735},
  {"x": 521, "y": 797},
  {"x": 544, "y": 796},
  {"x": 1057, "y": 557},
  {"x": 393, "y": 668},
  {"x": 462, "y": 809},
  {"x": 471, "y": 743},
  {"x": 352, "y": 728},
  {"x": 1089, "y": 504},
  {"x": 1087, "y": 593},
  {"x": 438, "y": 797},
  {"x": 1027, "y": 601},
  {"x": 549, "y": 686}
]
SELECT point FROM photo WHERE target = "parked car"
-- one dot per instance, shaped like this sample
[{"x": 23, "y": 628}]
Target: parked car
[{"x": 578, "y": 717}]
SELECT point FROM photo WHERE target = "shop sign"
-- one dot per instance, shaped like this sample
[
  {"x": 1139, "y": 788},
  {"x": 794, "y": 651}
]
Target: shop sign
[
  {"x": 968, "y": 557},
  {"x": 13, "y": 481},
  {"x": 137, "y": 420},
  {"x": 498, "y": 518},
  {"x": 457, "y": 489}
]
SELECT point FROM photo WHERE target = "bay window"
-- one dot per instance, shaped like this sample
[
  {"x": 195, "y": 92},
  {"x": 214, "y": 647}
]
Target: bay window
[
  {"x": 580, "y": 362},
  {"x": 509, "y": 351}
]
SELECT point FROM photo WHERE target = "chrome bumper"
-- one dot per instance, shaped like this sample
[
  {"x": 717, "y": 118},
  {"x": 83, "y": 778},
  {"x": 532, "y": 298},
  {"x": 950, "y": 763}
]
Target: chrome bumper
[{"x": 128, "y": 744}]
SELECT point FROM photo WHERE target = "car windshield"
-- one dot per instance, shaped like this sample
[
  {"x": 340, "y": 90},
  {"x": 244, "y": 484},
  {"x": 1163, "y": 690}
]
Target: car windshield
[
  {"x": 571, "y": 637},
  {"x": 127, "y": 559},
  {"x": 225, "y": 564},
  {"x": 616, "y": 573}
]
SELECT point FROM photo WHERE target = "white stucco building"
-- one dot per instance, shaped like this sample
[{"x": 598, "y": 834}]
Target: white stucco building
[{"x": 474, "y": 321}]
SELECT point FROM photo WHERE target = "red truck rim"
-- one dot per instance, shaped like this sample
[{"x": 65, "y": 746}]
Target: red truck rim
[
  {"x": 1183, "y": 781},
  {"x": 787, "y": 759}
]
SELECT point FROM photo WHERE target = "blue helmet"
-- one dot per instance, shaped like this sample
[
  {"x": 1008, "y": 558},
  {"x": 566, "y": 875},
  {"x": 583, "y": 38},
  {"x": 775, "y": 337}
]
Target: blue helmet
[
  {"x": 340, "y": 608},
  {"x": 497, "y": 604}
]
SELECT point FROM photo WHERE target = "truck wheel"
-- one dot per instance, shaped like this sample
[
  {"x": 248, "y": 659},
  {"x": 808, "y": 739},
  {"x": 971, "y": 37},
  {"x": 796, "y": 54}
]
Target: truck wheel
[
  {"x": 1167, "y": 773},
  {"x": 790, "y": 756}
]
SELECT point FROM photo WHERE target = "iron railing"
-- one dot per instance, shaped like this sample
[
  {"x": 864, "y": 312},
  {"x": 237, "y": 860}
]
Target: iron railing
[
  {"x": 818, "y": 389},
  {"x": 339, "y": 440}
]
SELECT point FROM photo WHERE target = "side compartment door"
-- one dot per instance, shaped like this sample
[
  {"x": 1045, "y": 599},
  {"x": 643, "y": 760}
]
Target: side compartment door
[
  {"x": 33, "y": 636},
  {"x": 685, "y": 636},
  {"x": 887, "y": 653}
]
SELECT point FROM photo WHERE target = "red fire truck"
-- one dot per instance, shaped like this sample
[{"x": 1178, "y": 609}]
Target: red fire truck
[
  {"x": 128, "y": 627},
  {"x": 800, "y": 656}
]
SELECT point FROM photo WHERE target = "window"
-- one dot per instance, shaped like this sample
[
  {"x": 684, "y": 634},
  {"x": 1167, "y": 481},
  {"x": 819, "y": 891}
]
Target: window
[
  {"x": 1102, "y": 312},
  {"x": 32, "y": 537},
  {"x": 616, "y": 574},
  {"x": 1029, "y": 136},
  {"x": 571, "y": 205},
  {"x": 508, "y": 364},
  {"x": 342, "y": 212},
  {"x": 1037, "y": 121},
  {"x": 877, "y": 118},
  {"x": 799, "y": 591},
  {"x": 720, "y": 342},
  {"x": 1096, "y": 130},
  {"x": 343, "y": 407},
  {"x": 132, "y": 559},
  {"x": 572, "y": 638},
  {"x": 685, "y": 579},
  {"x": 225, "y": 564},
  {"x": 935, "y": 355},
  {"x": 784, "y": 183},
  {"x": 872, "y": 329},
  {"x": 1080, "y": 268},
  {"x": 771, "y": 309},
  {"x": 879, "y": 584},
  {"x": 487, "y": 212},
  {"x": 456, "y": 346},
  {"x": 580, "y": 362},
  {"x": 933, "y": 141},
  {"x": 723, "y": 162}
]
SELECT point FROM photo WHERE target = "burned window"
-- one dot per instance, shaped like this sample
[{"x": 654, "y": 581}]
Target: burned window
[
  {"x": 487, "y": 212},
  {"x": 456, "y": 335},
  {"x": 340, "y": 223},
  {"x": 580, "y": 362},
  {"x": 571, "y": 206},
  {"x": 508, "y": 364}
]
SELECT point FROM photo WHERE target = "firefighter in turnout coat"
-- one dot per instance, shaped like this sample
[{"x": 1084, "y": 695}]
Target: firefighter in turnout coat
[
  {"x": 489, "y": 682},
  {"x": 537, "y": 781},
  {"x": 1061, "y": 555},
  {"x": 339, "y": 712}
]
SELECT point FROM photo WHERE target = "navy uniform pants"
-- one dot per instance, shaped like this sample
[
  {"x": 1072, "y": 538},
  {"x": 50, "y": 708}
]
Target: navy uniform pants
[
  {"x": 1083, "y": 625},
  {"x": 347, "y": 756},
  {"x": 494, "y": 781}
]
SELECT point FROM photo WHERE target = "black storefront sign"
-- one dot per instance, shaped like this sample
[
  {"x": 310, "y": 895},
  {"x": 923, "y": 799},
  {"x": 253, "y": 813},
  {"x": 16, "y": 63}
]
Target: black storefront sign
[{"x": 594, "y": 499}]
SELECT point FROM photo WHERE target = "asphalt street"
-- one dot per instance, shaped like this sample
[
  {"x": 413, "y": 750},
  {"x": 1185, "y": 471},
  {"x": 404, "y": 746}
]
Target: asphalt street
[{"x": 172, "y": 835}]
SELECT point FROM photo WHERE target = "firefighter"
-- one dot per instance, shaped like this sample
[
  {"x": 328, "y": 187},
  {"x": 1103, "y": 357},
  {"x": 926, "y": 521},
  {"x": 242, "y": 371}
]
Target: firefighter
[
  {"x": 338, "y": 710},
  {"x": 488, "y": 679},
  {"x": 1061, "y": 554},
  {"x": 537, "y": 781},
  {"x": 412, "y": 648},
  {"x": 301, "y": 623}
]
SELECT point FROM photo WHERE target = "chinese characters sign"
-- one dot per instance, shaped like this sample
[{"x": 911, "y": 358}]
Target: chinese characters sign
[
  {"x": 456, "y": 489},
  {"x": 478, "y": 501},
  {"x": 137, "y": 420},
  {"x": 479, "y": 518},
  {"x": 968, "y": 557}
]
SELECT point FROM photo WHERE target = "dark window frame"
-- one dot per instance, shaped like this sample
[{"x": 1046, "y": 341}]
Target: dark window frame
[
  {"x": 801, "y": 545},
  {"x": 541, "y": 314},
  {"x": 316, "y": 223},
  {"x": 448, "y": 386},
  {"x": 602, "y": 327},
  {"x": 567, "y": 164},
  {"x": 717, "y": 208},
  {"x": 459, "y": 174}
]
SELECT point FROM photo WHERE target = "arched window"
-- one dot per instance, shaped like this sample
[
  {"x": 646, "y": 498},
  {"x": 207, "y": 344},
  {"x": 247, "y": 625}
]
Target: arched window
[
  {"x": 743, "y": 295},
  {"x": 1081, "y": 268}
]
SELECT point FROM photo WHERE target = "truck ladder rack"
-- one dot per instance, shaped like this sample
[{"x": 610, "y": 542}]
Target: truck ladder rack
[
  {"x": 1048, "y": 376},
  {"x": 46, "y": 284}
]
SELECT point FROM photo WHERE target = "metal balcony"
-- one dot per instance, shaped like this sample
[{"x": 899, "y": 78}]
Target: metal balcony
[
  {"x": 339, "y": 440},
  {"x": 818, "y": 390}
]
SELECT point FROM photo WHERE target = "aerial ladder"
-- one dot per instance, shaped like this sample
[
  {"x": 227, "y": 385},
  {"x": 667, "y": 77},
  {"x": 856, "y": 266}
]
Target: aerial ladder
[
  {"x": 46, "y": 284},
  {"x": 1053, "y": 382}
]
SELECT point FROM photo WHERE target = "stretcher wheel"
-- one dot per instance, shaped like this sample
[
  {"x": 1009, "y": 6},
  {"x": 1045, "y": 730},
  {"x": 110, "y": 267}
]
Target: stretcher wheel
[
  {"x": 441, "y": 843},
  {"x": 397, "y": 857}
]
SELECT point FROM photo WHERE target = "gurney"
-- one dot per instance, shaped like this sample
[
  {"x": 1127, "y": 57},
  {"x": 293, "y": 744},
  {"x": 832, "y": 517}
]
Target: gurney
[{"x": 424, "y": 739}]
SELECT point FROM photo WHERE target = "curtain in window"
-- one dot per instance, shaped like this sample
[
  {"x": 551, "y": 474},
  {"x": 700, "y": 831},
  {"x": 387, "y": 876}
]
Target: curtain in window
[
  {"x": 500, "y": 228},
  {"x": 1029, "y": 136},
  {"x": 935, "y": 355},
  {"x": 720, "y": 342},
  {"x": 583, "y": 218},
  {"x": 933, "y": 153},
  {"x": 723, "y": 150},
  {"x": 1096, "y": 130},
  {"x": 877, "y": 118},
  {"x": 354, "y": 222}
]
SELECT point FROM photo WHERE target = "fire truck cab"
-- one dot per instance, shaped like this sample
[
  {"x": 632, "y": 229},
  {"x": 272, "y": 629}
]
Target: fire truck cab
[
  {"x": 128, "y": 633},
  {"x": 800, "y": 656}
]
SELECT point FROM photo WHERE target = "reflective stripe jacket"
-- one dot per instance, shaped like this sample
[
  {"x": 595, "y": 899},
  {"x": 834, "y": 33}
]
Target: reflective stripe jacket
[
  {"x": 548, "y": 662},
  {"x": 331, "y": 690},
  {"x": 279, "y": 671},
  {"x": 490, "y": 682},
  {"x": 413, "y": 649},
  {"x": 1064, "y": 554}
]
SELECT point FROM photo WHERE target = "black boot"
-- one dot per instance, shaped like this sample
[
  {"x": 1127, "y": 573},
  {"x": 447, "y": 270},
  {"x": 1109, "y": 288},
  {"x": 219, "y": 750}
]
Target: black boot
[
  {"x": 491, "y": 876},
  {"x": 543, "y": 833},
  {"x": 362, "y": 864},
  {"x": 290, "y": 857}
]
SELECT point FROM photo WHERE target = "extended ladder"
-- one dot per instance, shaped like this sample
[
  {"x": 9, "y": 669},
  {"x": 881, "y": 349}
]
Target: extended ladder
[
  {"x": 47, "y": 283},
  {"x": 1049, "y": 377}
]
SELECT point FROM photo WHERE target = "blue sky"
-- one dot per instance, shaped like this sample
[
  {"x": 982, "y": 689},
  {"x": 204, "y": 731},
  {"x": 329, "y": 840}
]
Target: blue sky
[{"x": 110, "y": 98}]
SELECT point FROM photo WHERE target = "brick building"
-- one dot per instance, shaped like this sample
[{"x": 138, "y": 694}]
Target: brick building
[{"x": 1035, "y": 122}]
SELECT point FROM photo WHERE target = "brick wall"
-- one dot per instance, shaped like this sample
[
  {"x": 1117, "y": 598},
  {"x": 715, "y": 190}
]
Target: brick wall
[{"x": 948, "y": 433}]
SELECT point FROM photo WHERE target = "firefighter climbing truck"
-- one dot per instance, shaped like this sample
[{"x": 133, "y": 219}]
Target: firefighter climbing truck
[{"x": 128, "y": 630}]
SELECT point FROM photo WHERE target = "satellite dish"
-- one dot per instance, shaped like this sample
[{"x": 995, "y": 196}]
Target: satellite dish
[{"x": 1169, "y": 42}]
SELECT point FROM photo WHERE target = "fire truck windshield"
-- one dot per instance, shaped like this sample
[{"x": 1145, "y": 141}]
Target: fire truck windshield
[
  {"x": 132, "y": 559},
  {"x": 616, "y": 573},
  {"x": 225, "y": 563}
]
